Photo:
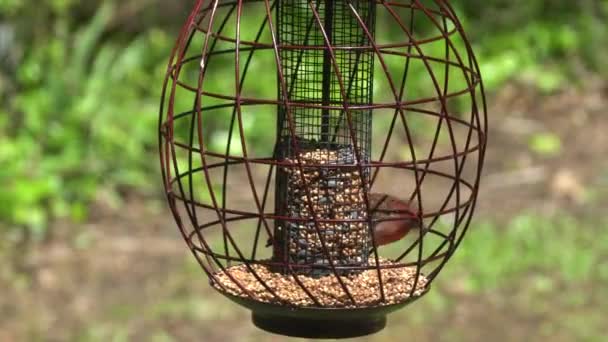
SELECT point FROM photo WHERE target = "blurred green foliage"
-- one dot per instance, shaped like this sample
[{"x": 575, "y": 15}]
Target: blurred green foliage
[
  {"x": 80, "y": 86},
  {"x": 546, "y": 42},
  {"x": 81, "y": 117},
  {"x": 548, "y": 246},
  {"x": 545, "y": 144}
]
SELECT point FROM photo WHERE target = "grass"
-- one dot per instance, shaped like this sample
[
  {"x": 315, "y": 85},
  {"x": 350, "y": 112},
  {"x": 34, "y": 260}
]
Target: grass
[{"x": 560, "y": 248}]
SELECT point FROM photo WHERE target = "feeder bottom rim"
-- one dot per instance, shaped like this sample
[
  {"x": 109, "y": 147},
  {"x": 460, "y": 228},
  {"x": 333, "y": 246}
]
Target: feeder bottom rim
[{"x": 319, "y": 328}]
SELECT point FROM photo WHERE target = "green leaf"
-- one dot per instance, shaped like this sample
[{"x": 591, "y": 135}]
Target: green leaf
[{"x": 546, "y": 144}]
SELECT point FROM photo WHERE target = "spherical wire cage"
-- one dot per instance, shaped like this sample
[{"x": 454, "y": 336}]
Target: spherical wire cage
[{"x": 282, "y": 121}]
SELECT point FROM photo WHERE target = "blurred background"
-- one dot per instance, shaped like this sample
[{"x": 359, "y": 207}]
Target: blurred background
[{"x": 89, "y": 251}]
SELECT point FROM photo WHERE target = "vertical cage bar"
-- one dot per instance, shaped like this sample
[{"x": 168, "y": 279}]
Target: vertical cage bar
[
  {"x": 324, "y": 140},
  {"x": 327, "y": 71}
]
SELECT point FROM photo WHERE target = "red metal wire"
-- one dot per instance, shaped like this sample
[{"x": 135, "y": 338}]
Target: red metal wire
[{"x": 199, "y": 219}]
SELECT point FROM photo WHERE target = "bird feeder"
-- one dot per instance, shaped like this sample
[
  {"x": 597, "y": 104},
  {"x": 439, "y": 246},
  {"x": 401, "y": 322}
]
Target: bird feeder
[{"x": 282, "y": 121}]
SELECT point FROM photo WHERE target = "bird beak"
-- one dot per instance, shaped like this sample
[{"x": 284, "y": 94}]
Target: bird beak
[
  {"x": 423, "y": 229},
  {"x": 419, "y": 224}
]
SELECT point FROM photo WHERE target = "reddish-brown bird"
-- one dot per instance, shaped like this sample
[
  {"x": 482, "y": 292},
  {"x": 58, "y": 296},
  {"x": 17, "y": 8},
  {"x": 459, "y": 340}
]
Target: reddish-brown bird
[{"x": 383, "y": 207}]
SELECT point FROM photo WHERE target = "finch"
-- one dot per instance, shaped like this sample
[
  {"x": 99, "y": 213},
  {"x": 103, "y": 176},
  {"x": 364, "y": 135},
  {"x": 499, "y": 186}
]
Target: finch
[{"x": 383, "y": 207}]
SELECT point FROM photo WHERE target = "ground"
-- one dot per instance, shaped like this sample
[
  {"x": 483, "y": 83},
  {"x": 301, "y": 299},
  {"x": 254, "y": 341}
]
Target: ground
[{"x": 126, "y": 274}]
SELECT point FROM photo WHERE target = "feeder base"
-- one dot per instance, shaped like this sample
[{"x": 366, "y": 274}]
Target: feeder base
[{"x": 319, "y": 328}]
